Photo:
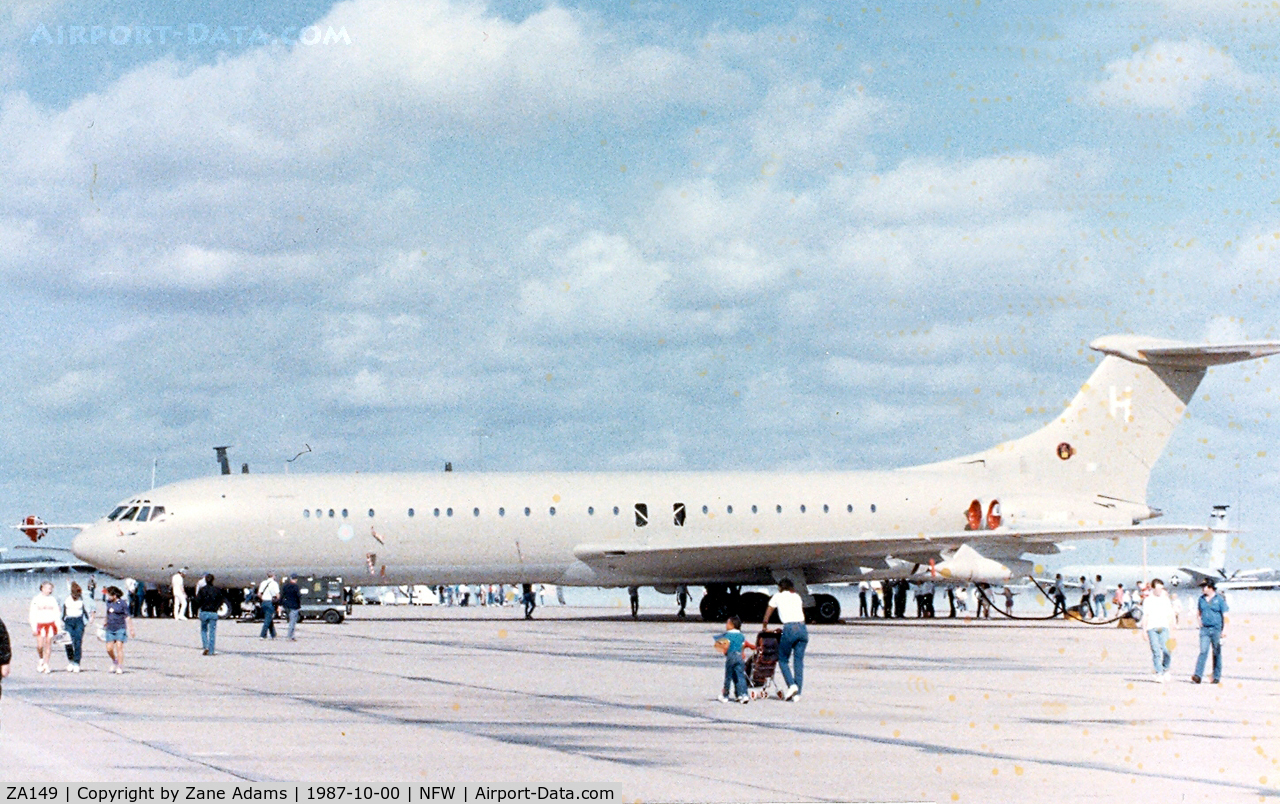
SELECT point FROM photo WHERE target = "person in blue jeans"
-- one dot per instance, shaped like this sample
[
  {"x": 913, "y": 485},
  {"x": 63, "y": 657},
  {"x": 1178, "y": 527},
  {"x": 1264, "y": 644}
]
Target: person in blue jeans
[
  {"x": 1212, "y": 608},
  {"x": 735, "y": 669},
  {"x": 291, "y": 602},
  {"x": 209, "y": 601},
  {"x": 795, "y": 636},
  {"x": 77, "y": 611},
  {"x": 269, "y": 592}
]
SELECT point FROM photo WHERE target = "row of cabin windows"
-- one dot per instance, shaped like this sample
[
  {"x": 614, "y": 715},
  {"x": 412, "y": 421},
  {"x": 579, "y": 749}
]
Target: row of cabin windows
[{"x": 641, "y": 510}]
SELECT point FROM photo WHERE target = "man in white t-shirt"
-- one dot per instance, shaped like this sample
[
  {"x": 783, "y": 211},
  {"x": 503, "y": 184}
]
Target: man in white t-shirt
[
  {"x": 1157, "y": 621},
  {"x": 269, "y": 591},
  {"x": 795, "y": 636}
]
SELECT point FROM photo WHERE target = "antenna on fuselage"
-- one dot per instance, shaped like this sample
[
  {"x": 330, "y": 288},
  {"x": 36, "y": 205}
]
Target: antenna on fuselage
[
  {"x": 296, "y": 457},
  {"x": 222, "y": 459}
]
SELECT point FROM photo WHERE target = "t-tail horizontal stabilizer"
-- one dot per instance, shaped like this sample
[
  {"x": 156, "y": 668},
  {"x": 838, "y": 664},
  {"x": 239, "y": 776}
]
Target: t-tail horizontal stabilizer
[{"x": 1179, "y": 354}]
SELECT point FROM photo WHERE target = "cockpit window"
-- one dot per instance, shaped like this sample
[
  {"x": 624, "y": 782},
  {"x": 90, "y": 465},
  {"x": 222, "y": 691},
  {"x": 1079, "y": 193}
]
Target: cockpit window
[
  {"x": 142, "y": 515},
  {"x": 130, "y": 514},
  {"x": 157, "y": 512},
  {"x": 111, "y": 517}
]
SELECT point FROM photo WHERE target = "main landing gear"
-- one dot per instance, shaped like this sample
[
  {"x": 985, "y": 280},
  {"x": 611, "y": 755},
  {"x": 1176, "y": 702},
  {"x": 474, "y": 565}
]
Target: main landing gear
[{"x": 723, "y": 600}]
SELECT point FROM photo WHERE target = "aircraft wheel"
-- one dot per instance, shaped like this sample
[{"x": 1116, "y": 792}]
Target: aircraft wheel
[
  {"x": 826, "y": 609},
  {"x": 714, "y": 608},
  {"x": 751, "y": 606}
]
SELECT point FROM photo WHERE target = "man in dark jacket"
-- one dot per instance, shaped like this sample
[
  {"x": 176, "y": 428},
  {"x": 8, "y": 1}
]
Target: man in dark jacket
[
  {"x": 291, "y": 602},
  {"x": 6, "y": 653},
  {"x": 209, "y": 601}
]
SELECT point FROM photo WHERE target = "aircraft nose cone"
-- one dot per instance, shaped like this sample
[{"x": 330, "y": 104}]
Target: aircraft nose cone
[{"x": 90, "y": 547}]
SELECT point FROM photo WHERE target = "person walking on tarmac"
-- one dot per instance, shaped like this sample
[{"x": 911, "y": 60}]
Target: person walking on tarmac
[
  {"x": 795, "y": 636},
  {"x": 6, "y": 655},
  {"x": 77, "y": 612},
  {"x": 1212, "y": 608},
  {"x": 682, "y": 599},
  {"x": 291, "y": 602},
  {"x": 530, "y": 601},
  {"x": 1059, "y": 597},
  {"x": 634, "y": 593},
  {"x": 269, "y": 591},
  {"x": 179, "y": 583},
  {"x": 45, "y": 614},
  {"x": 209, "y": 601},
  {"x": 1157, "y": 620},
  {"x": 119, "y": 627}
]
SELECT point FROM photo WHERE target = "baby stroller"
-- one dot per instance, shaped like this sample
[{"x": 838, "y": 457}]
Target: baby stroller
[{"x": 762, "y": 664}]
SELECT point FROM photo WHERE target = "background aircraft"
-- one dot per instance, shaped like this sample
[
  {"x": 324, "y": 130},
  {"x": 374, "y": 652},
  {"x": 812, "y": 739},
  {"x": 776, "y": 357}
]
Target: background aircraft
[
  {"x": 57, "y": 559},
  {"x": 1210, "y": 562}
]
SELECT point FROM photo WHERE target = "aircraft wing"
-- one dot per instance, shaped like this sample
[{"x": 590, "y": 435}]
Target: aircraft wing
[
  {"x": 44, "y": 563},
  {"x": 1249, "y": 583},
  {"x": 831, "y": 558}
]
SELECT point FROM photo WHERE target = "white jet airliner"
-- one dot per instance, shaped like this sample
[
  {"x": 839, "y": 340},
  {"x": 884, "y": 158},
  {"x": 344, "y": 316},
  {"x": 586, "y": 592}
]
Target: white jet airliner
[{"x": 1081, "y": 476}]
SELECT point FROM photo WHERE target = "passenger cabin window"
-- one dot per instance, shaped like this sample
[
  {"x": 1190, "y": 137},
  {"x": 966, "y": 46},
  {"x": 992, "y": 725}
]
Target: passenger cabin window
[
  {"x": 677, "y": 514},
  {"x": 615, "y": 510},
  {"x": 642, "y": 515}
]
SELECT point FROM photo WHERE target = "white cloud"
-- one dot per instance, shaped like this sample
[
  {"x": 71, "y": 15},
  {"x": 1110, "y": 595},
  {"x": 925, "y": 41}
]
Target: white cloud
[
  {"x": 217, "y": 176},
  {"x": 1167, "y": 75},
  {"x": 807, "y": 126},
  {"x": 78, "y": 389},
  {"x": 978, "y": 189},
  {"x": 601, "y": 284}
]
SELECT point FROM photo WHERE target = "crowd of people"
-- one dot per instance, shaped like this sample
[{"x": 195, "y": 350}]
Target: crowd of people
[
  {"x": 1156, "y": 611},
  {"x": 888, "y": 599}
]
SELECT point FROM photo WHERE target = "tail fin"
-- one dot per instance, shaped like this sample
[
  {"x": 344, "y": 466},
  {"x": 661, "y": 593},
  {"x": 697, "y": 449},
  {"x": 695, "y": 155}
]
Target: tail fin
[
  {"x": 1218, "y": 554},
  {"x": 1115, "y": 429}
]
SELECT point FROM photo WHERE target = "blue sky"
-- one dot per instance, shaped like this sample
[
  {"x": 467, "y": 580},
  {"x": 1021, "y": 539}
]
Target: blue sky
[{"x": 624, "y": 236}]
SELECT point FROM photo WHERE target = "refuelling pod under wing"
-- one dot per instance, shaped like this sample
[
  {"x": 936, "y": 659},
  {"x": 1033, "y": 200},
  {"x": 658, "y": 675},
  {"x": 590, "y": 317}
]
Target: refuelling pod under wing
[{"x": 967, "y": 565}]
